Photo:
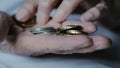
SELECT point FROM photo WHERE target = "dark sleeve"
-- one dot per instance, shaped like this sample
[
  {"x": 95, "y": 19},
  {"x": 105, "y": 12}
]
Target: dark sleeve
[
  {"x": 112, "y": 16},
  {"x": 109, "y": 3}
]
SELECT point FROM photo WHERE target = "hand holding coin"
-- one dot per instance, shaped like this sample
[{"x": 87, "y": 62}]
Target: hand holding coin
[{"x": 21, "y": 40}]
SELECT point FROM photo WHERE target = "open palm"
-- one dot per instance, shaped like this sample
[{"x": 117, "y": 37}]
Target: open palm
[{"x": 21, "y": 41}]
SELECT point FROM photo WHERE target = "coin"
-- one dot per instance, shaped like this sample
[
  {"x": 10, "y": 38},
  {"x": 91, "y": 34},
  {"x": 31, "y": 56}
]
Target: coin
[
  {"x": 70, "y": 30},
  {"x": 74, "y": 32},
  {"x": 67, "y": 27},
  {"x": 45, "y": 30},
  {"x": 26, "y": 24},
  {"x": 66, "y": 31}
]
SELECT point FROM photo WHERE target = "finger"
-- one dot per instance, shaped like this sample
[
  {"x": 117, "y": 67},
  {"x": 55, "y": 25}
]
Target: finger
[
  {"x": 99, "y": 43},
  {"x": 66, "y": 7},
  {"x": 26, "y": 11},
  {"x": 93, "y": 13},
  {"x": 87, "y": 27},
  {"x": 5, "y": 23},
  {"x": 44, "y": 9},
  {"x": 43, "y": 44}
]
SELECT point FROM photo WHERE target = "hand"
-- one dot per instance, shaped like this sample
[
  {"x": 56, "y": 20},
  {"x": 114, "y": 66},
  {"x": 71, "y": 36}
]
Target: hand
[
  {"x": 42, "y": 9},
  {"x": 21, "y": 41}
]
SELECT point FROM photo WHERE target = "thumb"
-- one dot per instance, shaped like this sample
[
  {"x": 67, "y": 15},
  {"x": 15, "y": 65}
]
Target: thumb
[{"x": 4, "y": 25}]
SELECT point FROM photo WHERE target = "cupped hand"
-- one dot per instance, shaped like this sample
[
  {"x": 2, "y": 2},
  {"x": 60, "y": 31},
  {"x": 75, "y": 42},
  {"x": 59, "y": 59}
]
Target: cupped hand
[{"x": 22, "y": 41}]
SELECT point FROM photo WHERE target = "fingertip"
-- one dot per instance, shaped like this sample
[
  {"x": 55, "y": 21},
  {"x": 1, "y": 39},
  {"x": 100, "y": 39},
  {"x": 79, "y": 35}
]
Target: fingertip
[
  {"x": 59, "y": 16},
  {"x": 86, "y": 17},
  {"x": 42, "y": 18},
  {"x": 65, "y": 9},
  {"x": 90, "y": 15},
  {"x": 89, "y": 27},
  {"x": 44, "y": 10},
  {"x": 52, "y": 23},
  {"x": 26, "y": 11},
  {"x": 101, "y": 42},
  {"x": 22, "y": 15}
]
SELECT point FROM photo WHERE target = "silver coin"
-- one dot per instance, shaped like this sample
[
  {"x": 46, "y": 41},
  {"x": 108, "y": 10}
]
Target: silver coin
[{"x": 45, "y": 30}]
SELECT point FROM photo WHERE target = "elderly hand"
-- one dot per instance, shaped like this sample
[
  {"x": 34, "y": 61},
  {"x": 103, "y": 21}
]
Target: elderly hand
[
  {"x": 42, "y": 9},
  {"x": 22, "y": 41}
]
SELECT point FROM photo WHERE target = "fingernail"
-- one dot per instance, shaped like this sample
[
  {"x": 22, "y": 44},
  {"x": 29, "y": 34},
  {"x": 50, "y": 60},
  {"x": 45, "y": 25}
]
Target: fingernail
[
  {"x": 22, "y": 15},
  {"x": 87, "y": 17}
]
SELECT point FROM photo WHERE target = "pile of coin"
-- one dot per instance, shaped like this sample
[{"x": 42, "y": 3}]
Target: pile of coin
[
  {"x": 70, "y": 30},
  {"x": 64, "y": 30}
]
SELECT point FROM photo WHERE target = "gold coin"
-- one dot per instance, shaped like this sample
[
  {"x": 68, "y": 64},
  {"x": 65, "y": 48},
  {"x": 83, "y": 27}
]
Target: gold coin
[
  {"x": 29, "y": 23},
  {"x": 74, "y": 32},
  {"x": 67, "y": 27},
  {"x": 26, "y": 24}
]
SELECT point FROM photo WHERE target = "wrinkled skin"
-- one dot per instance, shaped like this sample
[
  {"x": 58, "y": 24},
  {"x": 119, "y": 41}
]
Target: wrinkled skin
[
  {"x": 21, "y": 41},
  {"x": 43, "y": 8}
]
